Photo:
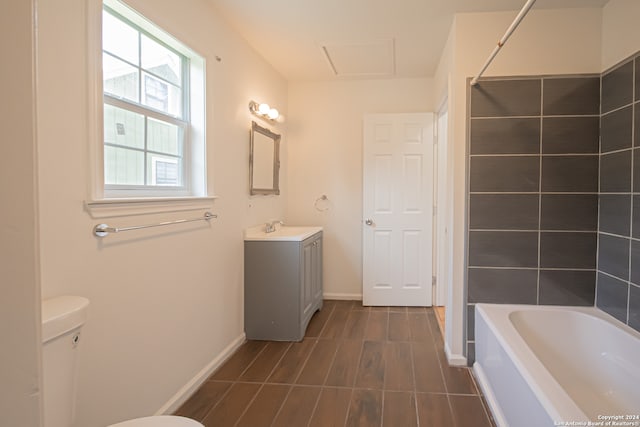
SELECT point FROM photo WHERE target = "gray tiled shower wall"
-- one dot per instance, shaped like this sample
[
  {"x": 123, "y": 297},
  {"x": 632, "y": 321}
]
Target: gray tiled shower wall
[
  {"x": 618, "y": 282},
  {"x": 533, "y": 192},
  {"x": 554, "y": 193}
]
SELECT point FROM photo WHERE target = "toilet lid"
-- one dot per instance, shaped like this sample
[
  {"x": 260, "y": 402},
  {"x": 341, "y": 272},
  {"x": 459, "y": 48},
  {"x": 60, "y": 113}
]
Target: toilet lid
[{"x": 159, "y": 421}]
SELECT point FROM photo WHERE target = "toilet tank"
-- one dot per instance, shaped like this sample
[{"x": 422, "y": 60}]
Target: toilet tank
[{"x": 62, "y": 319}]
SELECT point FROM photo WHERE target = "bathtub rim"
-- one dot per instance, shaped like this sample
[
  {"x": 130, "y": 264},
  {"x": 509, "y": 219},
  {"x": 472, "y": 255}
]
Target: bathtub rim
[{"x": 535, "y": 373}]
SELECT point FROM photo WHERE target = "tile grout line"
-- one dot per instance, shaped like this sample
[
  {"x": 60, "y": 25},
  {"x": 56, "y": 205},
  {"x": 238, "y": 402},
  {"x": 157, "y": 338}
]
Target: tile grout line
[
  {"x": 544, "y": 193},
  {"x": 633, "y": 139},
  {"x": 597, "y": 279},
  {"x": 265, "y": 383},
  {"x": 605, "y": 233},
  {"x": 312, "y": 342},
  {"x": 413, "y": 373},
  {"x": 475, "y": 385},
  {"x": 546, "y": 116},
  {"x": 541, "y": 154},
  {"x": 382, "y": 408},
  {"x": 333, "y": 359},
  {"x": 329, "y": 317},
  {"x": 246, "y": 408},
  {"x": 252, "y": 361},
  {"x": 538, "y": 230},
  {"x": 340, "y": 339},
  {"x": 317, "y": 339},
  {"x": 386, "y": 338},
  {"x": 441, "y": 368},
  {"x": 346, "y": 415},
  {"x": 278, "y": 362},
  {"x": 490, "y": 267},
  {"x": 355, "y": 376},
  {"x": 342, "y": 387},
  {"x": 540, "y": 194},
  {"x": 304, "y": 363},
  {"x": 355, "y": 380},
  {"x": 224, "y": 395},
  {"x": 481, "y": 397},
  {"x": 275, "y": 416},
  {"x": 618, "y": 151},
  {"x": 615, "y": 110},
  {"x": 467, "y": 225},
  {"x": 315, "y": 406},
  {"x": 613, "y": 276},
  {"x": 633, "y": 130}
]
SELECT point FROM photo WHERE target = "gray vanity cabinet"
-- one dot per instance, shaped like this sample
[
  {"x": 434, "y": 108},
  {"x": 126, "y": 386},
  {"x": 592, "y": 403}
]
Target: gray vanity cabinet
[{"x": 282, "y": 287}]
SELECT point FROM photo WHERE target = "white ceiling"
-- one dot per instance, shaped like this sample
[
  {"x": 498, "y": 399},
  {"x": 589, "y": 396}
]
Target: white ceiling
[{"x": 292, "y": 34}]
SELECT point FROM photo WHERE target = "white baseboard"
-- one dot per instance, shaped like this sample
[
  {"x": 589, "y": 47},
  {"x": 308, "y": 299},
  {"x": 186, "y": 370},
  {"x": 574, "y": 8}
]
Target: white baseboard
[
  {"x": 190, "y": 387},
  {"x": 341, "y": 296},
  {"x": 454, "y": 359}
]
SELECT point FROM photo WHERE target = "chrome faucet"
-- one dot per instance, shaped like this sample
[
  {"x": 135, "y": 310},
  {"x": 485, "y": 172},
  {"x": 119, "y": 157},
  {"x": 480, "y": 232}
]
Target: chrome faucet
[{"x": 270, "y": 227}]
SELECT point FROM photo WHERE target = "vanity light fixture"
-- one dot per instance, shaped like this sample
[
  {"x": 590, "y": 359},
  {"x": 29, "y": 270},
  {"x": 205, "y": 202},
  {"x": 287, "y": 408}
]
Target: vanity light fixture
[{"x": 264, "y": 111}]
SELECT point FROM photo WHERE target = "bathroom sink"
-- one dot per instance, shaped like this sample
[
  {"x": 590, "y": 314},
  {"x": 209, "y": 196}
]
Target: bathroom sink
[{"x": 282, "y": 233}]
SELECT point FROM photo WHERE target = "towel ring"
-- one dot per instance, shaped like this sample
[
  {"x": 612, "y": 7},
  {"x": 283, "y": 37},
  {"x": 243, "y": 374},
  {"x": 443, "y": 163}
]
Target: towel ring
[{"x": 322, "y": 198}]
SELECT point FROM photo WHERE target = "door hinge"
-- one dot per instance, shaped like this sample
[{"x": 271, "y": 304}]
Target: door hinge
[
  {"x": 435, "y": 210},
  {"x": 434, "y": 280}
]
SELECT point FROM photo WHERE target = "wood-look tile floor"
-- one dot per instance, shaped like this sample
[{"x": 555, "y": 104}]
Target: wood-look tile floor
[{"x": 357, "y": 366}]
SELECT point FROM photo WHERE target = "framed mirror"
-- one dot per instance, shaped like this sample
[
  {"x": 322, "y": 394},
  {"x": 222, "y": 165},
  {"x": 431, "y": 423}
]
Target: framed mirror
[{"x": 264, "y": 161}]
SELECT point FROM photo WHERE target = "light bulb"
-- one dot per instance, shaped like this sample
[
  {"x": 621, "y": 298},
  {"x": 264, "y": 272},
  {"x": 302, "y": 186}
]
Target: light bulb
[
  {"x": 264, "y": 109},
  {"x": 273, "y": 114}
]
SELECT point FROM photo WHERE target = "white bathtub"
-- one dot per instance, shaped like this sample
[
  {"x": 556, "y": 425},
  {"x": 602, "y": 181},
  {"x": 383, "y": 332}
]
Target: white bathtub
[{"x": 550, "y": 366}]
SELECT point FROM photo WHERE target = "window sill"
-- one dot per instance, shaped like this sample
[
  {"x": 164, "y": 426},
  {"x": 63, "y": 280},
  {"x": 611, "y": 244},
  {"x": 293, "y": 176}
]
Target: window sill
[{"x": 107, "y": 208}]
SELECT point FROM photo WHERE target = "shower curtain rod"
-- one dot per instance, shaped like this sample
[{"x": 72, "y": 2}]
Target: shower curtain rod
[{"x": 504, "y": 38}]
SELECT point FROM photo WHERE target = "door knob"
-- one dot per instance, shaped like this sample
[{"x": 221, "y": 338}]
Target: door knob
[{"x": 368, "y": 221}]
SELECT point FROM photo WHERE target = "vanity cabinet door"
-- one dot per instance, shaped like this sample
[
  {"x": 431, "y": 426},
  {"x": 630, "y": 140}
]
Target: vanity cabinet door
[
  {"x": 317, "y": 270},
  {"x": 311, "y": 290},
  {"x": 308, "y": 279}
]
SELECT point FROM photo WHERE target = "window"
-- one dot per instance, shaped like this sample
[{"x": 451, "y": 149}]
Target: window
[{"x": 153, "y": 121}]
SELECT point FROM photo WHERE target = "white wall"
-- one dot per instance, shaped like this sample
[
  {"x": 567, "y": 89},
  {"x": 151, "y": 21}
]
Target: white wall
[
  {"x": 443, "y": 101},
  {"x": 446, "y": 66},
  {"x": 558, "y": 41},
  {"x": 20, "y": 398},
  {"x": 620, "y": 31},
  {"x": 164, "y": 302},
  {"x": 325, "y": 157}
]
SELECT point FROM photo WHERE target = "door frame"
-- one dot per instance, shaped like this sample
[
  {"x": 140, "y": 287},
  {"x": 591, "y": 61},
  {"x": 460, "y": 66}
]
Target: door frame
[{"x": 442, "y": 227}]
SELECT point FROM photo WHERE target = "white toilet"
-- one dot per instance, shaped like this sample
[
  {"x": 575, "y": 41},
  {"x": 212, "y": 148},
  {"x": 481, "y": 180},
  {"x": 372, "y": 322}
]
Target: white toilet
[{"x": 62, "y": 320}]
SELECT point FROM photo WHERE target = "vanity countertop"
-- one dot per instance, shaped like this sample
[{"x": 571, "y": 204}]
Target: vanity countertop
[{"x": 282, "y": 233}]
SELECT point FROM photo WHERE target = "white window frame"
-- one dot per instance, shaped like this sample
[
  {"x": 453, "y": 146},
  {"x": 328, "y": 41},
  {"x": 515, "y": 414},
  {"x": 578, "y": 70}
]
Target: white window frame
[{"x": 194, "y": 151}]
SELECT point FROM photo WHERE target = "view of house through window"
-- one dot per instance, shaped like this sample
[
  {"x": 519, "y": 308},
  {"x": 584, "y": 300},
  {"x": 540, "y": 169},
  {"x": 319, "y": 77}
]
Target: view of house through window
[{"x": 146, "y": 108}]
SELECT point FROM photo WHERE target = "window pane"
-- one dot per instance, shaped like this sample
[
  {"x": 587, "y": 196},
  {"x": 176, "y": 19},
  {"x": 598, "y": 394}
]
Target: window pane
[
  {"x": 164, "y": 137},
  {"x": 161, "y": 61},
  {"x": 123, "y": 166},
  {"x": 120, "y": 78},
  {"x": 123, "y": 127},
  {"x": 161, "y": 95},
  {"x": 119, "y": 38},
  {"x": 164, "y": 170}
]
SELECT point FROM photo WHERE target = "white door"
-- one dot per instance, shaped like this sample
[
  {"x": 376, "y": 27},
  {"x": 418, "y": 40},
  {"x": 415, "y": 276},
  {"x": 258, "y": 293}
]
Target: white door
[{"x": 398, "y": 209}]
